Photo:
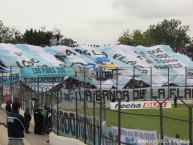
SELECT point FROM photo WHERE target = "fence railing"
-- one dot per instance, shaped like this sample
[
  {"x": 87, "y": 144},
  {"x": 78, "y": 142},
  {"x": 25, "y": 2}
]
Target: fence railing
[{"x": 82, "y": 110}]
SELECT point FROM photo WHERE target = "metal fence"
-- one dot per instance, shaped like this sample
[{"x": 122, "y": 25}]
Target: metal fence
[{"x": 82, "y": 111}]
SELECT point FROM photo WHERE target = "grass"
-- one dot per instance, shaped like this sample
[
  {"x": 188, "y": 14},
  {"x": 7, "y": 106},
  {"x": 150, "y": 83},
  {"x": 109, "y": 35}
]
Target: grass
[{"x": 175, "y": 120}]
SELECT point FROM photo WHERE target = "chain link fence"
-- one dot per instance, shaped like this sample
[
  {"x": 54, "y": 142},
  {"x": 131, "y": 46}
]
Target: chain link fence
[{"x": 83, "y": 110}]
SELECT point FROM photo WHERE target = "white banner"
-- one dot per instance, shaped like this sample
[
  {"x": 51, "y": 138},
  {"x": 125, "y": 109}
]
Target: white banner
[
  {"x": 134, "y": 94},
  {"x": 138, "y": 137},
  {"x": 175, "y": 141},
  {"x": 140, "y": 105}
]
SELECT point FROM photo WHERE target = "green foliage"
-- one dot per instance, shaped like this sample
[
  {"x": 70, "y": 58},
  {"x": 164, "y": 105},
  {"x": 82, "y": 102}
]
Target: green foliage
[
  {"x": 41, "y": 38},
  {"x": 125, "y": 39},
  {"x": 67, "y": 42},
  {"x": 9, "y": 35},
  {"x": 168, "y": 32},
  {"x": 136, "y": 38},
  {"x": 140, "y": 39},
  {"x": 38, "y": 38},
  {"x": 32, "y": 37}
]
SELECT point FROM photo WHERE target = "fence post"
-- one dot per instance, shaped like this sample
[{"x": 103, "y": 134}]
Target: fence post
[
  {"x": 84, "y": 106},
  {"x": 76, "y": 116},
  {"x": 151, "y": 95},
  {"x": 190, "y": 120},
  {"x": 190, "y": 124},
  {"x": 1, "y": 85},
  {"x": 161, "y": 119},
  {"x": 119, "y": 121},
  {"x": 51, "y": 109},
  {"x": 168, "y": 83},
  {"x": 21, "y": 89},
  {"x": 94, "y": 123},
  {"x": 57, "y": 112},
  {"x": 100, "y": 137},
  {"x": 119, "y": 109},
  {"x": 11, "y": 89},
  {"x": 186, "y": 80},
  {"x": 133, "y": 87}
]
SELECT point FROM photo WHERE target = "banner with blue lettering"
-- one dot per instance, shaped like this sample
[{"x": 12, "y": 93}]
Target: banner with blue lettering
[
  {"x": 175, "y": 141},
  {"x": 38, "y": 72},
  {"x": 129, "y": 136},
  {"x": 23, "y": 55},
  {"x": 68, "y": 127},
  {"x": 67, "y": 55},
  {"x": 73, "y": 126},
  {"x": 92, "y": 53},
  {"x": 159, "y": 58},
  {"x": 153, "y": 65},
  {"x": 6, "y": 79}
]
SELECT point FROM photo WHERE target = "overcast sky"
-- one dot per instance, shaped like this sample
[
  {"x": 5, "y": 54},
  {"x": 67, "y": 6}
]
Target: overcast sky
[{"x": 93, "y": 21}]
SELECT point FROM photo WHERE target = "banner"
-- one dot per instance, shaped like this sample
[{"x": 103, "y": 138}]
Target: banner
[
  {"x": 156, "y": 66},
  {"x": 140, "y": 105},
  {"x": 174, "y": 141},
  {"x": 38, "y": 72},
  {"x": 6, "y": 79},
  {"x": 129, "y": 136},
  {"x": 133, "y": 94},
  {"x": 68, "y": 127}
]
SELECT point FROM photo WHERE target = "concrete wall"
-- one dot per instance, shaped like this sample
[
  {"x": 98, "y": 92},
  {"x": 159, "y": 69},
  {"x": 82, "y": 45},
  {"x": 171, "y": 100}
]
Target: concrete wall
[{"x": 60, "y": 140}]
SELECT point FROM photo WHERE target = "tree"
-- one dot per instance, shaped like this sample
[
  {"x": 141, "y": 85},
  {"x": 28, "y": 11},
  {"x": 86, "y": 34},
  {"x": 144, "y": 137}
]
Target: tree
[
  {"x": 125, "y": 39},
  {"x": 9, "y": 35},
  {"x": 169, "y": 32},
  {"x": 32, "y": 37},
  {"x": 67, "y": 42},
  {"x": 136, "y": 38},
  {"x": 140, "y": 39},
  {"x": 18, "y": 37},
  {"x": 38, "y": 38}
]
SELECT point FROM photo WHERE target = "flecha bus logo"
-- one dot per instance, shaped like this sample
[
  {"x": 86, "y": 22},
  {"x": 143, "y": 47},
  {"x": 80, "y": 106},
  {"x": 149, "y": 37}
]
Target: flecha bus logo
[{"x": 154, "y": 105}]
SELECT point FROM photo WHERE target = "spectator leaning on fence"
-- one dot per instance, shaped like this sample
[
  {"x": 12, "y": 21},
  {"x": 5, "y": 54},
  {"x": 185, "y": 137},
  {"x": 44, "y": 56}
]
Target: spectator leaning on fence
[{"x": 16, "y": 126}]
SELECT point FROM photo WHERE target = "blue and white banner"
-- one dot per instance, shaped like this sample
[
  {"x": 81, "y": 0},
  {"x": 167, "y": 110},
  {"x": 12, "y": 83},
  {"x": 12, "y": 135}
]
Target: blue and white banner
[
  {"x": 6, "y": 79},
  {"x": 129, "y": 136},
  {"x": 133, "y": 94},
  {"x": 158, "y": 65},
  {"x": 38, "y": 72},
  {"x": 175, "y": 141}
]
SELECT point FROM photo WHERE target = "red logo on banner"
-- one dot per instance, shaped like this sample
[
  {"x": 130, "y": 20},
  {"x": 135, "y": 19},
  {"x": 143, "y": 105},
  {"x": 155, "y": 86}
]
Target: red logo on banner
[{"x": 153, "y": 105}]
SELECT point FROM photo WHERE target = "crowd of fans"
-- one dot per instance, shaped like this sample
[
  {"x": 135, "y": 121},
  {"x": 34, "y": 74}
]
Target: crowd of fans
[
  {"x": 42, "y": 121},
  {"x": 76, "y": 84},
  {"x": 133, "y": 83},
  {"x": 73, "y": 83},
  {"x": 42, "y": 117},
  {"x": 188, "y": 51}
]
